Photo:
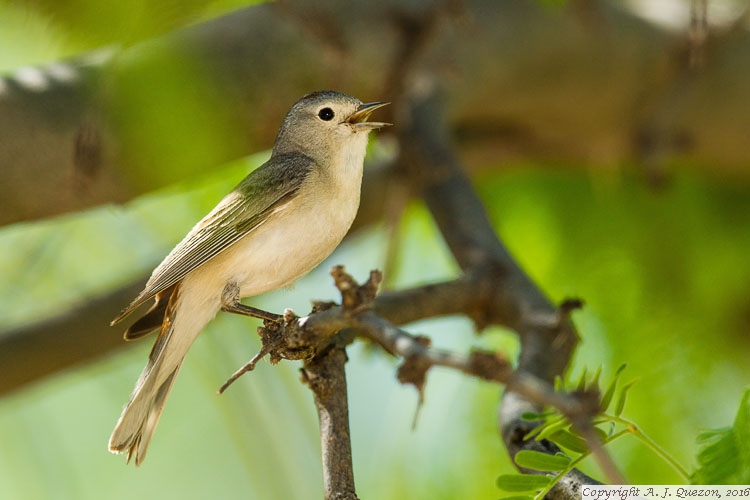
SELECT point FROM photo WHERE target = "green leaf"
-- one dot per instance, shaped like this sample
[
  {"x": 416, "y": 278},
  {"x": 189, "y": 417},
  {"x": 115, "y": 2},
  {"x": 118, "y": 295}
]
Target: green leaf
[
  {"x": 518, "y": 497},
  {"x": 724, "y": 456},
  {"x": 603, "y": 435},
  {"x": 610, "y": 391},
  {"x": 531, "y": 416},
  {"x": 533, "y": 432},
  {"x": 522, "y": 482},
  {"x": 581, "y": 386},
  {"x": 566, "y": 439},
  {"x": 621, "y": 397},
  {"x": 537, "y": 460},
  {"x": 716, "y": 458},
  {"x": 551, "y": 420},
  {"x": 594, "y": 383},
  {"x": 552, "y": 427},
  {"x": 741, "y": 431},
  {"x": 559, "y": 383}
]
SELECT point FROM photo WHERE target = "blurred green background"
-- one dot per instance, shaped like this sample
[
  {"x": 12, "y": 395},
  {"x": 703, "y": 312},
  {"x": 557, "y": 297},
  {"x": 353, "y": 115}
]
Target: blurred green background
[{"x": 664, "y": 274}]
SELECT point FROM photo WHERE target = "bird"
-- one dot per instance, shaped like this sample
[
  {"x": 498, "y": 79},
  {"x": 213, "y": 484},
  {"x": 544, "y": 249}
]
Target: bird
[{"x": 275, "y": 226}]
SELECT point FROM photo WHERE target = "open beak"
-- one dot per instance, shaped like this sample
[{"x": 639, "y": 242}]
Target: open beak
[{"x": 359, "y": 117}]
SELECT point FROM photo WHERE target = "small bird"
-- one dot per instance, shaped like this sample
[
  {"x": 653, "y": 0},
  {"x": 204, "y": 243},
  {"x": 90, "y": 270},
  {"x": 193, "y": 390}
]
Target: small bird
[{"x": 281, "y": 221}]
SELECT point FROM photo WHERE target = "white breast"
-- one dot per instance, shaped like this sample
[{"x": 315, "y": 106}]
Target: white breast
[{"x": 297, "y": 237}]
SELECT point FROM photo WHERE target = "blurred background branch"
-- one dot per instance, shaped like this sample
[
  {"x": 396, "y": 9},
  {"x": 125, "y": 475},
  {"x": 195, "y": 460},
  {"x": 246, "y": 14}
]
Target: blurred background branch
[
  {"x": 72, "y": 137},
  {"x": 535, "y": 133}
]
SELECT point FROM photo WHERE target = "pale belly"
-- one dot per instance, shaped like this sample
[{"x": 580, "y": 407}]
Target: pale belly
[{"x": 278, "y": 252}]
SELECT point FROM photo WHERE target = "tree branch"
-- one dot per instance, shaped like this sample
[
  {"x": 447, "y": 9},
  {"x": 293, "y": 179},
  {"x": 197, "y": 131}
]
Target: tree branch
[
  {"x": 315, "y": 336},
  {"x": 507, "y": 295},
  {"x": 29, "y": 353},
  {"x": 66, "y": 143},
  {"x": 325, "y": 375}
]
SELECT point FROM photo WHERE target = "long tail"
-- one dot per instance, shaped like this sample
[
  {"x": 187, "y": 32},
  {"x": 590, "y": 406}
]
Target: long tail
[{"x": 136, "y": 426}]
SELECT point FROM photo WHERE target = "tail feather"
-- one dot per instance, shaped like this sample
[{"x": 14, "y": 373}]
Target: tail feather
[{"x": 136, "y": 426}]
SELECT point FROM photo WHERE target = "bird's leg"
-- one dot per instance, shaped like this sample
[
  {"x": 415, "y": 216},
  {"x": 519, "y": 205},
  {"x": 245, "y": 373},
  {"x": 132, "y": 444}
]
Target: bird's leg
[{"x": 230, "y": 302}]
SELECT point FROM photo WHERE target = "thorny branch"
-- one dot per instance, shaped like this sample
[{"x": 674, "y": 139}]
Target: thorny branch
[
  {"x": 319, "y": 340},
  {"x": 511, "y": 298}
]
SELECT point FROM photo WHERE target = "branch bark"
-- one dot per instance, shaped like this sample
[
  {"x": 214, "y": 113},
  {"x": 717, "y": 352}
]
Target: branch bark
[{"x": 325, "y": 375}]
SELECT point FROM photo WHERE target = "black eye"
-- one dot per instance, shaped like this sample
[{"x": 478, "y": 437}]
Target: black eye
[{"x": 326, "y": 114}]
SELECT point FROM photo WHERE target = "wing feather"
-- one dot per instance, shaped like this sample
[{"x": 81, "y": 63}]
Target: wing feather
[{"x": 248, "y": 206}]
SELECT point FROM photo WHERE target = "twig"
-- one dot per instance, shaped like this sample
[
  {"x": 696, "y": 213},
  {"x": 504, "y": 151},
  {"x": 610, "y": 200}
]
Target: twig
[{"x": 249, "y": 366}]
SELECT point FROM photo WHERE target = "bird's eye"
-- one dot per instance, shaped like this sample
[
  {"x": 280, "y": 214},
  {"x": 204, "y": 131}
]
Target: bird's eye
[{"x": 325, "y": 114}]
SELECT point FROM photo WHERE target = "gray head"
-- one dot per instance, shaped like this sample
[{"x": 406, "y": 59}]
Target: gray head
[{"x": 321, "y": 122}]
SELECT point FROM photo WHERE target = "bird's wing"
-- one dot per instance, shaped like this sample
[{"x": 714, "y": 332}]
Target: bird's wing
[{"x": 263, "y": 191}]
